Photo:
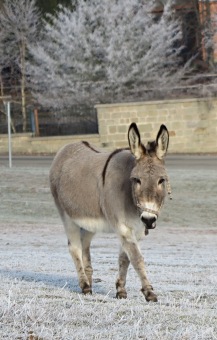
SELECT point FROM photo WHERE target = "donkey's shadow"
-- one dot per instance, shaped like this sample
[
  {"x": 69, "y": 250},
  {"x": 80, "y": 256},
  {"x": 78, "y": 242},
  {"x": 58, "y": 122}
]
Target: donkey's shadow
[{"x": 51, "y": 280}]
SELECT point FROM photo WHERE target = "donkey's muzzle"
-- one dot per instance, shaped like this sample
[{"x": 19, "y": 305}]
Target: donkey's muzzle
[{"x": 150, "y": 222}]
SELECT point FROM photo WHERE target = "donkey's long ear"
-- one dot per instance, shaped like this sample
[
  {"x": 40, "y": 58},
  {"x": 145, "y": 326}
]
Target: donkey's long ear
[
  {"x": 162, "y": 142},
  {"x": 136, "y": 147}
]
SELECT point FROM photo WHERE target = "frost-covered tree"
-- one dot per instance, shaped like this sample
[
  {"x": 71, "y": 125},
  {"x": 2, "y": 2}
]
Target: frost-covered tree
[
  {"x": 145, "y": 50},
  {"x": 103, "y": 49},
  {"x": 19, "y": 28}
]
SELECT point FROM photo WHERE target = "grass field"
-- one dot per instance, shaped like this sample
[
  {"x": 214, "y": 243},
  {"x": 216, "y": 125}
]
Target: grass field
[{"x": 40, "y": 297}]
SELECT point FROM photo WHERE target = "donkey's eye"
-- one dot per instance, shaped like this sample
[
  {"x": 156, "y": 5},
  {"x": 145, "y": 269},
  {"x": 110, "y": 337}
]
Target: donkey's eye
[
  {"x": 161, "y": 181},
  {"x": 136, "y": 180}
]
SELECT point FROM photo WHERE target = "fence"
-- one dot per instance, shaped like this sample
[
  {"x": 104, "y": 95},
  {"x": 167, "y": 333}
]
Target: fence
[{"x": 80, "y": 119}]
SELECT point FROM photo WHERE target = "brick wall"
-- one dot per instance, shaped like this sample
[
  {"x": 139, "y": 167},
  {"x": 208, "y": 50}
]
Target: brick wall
[{"x": 192, "y": 123}]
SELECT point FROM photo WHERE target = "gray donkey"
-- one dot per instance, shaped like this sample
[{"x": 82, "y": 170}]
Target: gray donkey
[{"x": 122, "y": 191}]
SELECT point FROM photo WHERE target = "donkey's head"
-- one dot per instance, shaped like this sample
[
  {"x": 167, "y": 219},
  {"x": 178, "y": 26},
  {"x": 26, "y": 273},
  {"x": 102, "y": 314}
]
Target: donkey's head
[{"x": 149, "y": 178}]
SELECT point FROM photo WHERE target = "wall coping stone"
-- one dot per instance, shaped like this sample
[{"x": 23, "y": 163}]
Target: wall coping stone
[
  {"x": 70, "y": 137},
  {"x": 154, "y": 102}
]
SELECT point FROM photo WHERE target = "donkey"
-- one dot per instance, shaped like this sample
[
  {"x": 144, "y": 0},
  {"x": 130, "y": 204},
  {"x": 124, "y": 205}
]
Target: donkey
[{"x": 122, "y": 191}]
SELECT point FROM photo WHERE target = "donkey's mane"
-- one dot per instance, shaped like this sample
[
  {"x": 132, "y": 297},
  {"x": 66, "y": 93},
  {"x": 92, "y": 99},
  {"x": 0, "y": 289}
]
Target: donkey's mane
[
  {"x": 151, "y": 147},
  {"x": 90, "y": 147},
  {"x": 108, "y": 160}
]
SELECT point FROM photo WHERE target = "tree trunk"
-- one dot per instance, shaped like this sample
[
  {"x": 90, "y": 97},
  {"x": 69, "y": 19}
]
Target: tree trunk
[
  {"x": 198, "y": 34},
  {"x": 206, "y": 22},
  {"x": 23, "y": 82},
  {"x": 2, "y": 95},
  {"x": 2, "y": 86}
]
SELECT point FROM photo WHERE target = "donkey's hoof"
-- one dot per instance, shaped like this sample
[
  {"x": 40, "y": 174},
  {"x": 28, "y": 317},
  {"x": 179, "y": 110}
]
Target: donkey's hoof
[
  {"x": 121, "y": 295},
  {"x": 87, "y": 289},
  {"x": 150, "y": 296}
]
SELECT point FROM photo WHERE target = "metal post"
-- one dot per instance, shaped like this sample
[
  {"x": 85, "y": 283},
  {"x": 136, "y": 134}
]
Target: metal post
[
  {"x": 32, "y": 121},
  {"x": 9, "y": 134},
  {"x": 37, "y": 132}
]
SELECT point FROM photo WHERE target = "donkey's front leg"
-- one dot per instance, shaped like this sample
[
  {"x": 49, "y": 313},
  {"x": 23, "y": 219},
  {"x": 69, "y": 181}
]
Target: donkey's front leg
[
  {"x": 130, "y": 245},
  {"x": 123, "y": 263}
]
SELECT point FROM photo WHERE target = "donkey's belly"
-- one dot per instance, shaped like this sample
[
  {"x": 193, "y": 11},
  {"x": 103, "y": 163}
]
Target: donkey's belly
[{"x": 94, "y": 225}]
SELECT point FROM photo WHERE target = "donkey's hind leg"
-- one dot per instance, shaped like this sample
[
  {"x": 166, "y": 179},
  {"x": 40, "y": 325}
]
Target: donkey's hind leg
[
  {"x": 86, "y": 238},
  {"x": 121, "y": 281},
  {"x": 73, "y": 233}
]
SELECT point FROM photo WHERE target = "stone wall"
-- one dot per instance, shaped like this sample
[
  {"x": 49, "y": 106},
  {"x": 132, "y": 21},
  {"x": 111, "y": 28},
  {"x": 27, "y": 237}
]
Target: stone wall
[
  {"x": 26, "y": 144},
  {"x": 192, "y": 123}
]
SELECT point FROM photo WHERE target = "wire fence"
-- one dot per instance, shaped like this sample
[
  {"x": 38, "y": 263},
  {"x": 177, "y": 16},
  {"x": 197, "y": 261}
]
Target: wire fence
[{"x": 79, "y": 119}]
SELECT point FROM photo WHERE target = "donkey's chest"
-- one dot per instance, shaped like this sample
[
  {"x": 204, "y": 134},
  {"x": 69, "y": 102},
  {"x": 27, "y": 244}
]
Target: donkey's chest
[
  {"x": 100, "y": 225},
  {"x": 94, "y": 225}
]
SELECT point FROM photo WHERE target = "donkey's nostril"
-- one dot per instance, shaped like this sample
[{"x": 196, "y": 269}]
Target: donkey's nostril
[{"x": 149, "y": 222}]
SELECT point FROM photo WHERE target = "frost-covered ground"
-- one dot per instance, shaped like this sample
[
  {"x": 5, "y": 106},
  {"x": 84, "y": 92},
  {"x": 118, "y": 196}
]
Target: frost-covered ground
[{"x": 39, "y": 294}]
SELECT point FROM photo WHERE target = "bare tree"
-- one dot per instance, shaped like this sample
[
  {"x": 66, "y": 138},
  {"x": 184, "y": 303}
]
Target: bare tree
[
  {"x": 105, "y": 49},
  {"x": 5, "y": 58},
  {"x": 19, "y": 28}
]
